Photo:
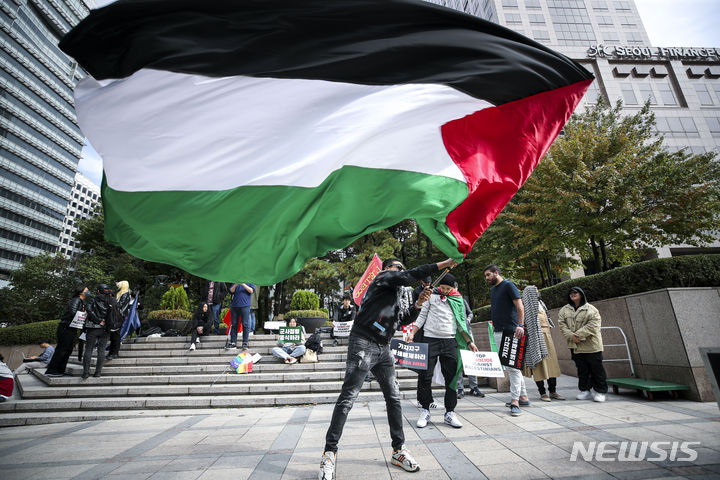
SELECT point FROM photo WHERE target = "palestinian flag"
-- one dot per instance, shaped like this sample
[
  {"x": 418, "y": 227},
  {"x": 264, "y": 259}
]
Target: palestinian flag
[{"x": 241, "y": 138}]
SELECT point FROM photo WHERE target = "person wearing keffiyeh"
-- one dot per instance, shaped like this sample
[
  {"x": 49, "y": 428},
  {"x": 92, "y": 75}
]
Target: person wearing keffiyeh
[{"x": 443, "y": 320}]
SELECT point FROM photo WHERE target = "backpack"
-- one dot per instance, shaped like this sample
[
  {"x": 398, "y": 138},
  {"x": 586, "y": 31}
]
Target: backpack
[{"x": 314, "y": 343}]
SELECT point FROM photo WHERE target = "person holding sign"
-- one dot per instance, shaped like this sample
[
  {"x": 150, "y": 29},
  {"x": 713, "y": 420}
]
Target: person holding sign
[
  {"x": 507, "y": 314},
  {"x": 443, "y": 320},
  {"x": 387, "y": 304},
  {"x": 66, "y": 334},
  {"x": 344, "y": 319},
  {"x": 291, "y": 344}
]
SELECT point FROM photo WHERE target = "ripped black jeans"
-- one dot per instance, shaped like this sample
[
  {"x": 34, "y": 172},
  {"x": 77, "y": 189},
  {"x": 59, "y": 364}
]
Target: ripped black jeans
[{"x": 367, "y": 356}]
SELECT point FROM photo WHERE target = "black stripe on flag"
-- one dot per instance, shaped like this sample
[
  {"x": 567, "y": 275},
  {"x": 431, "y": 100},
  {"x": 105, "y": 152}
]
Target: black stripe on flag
[{"x": 373, "y": 42}]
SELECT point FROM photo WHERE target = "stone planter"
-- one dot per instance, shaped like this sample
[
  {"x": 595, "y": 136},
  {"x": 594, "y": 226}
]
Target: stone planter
[{"x": 311, "y": 323}]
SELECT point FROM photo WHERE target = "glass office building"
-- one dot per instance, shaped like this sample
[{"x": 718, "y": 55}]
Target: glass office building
[{"x": 40, "y": 141}]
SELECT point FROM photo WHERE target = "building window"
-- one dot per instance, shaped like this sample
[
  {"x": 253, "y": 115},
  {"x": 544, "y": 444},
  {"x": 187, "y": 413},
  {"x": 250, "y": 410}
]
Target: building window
[
  {"x": 513, "y": 18},
  {"x": 628, "y": 94},
  {"x": 646, "y": 93},
  {"x": 714, "y": 125},
  {"x": 509, "y": 3},
  {"x": 540, "y": 35},
  {"x": 634, "y": 37},
  {"x": 599, "y": 5},
  {"x": 627, "y": 21},
  {"x": 666, "y": 94},
  {"x": 703, "y": 95},
  {"x": 604, "y": 20},
  {"x": 536, "y": 18},
  {"x": 592, "y": 94},
  {"x": 611, "y": 37},
  {"x": 532, "y": 3},
  {"x": 622, "y": 6}
]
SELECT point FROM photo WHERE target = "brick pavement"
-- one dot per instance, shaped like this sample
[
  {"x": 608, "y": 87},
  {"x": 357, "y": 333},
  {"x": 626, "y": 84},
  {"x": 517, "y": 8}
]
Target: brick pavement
[{"x": 286, "y": 442}]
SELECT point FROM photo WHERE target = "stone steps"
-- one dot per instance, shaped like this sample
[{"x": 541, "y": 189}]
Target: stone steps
[{"x": 161, "y": 375}]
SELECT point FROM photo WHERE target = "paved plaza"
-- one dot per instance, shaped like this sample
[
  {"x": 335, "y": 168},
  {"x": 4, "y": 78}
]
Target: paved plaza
[{"x": 286, "y": 442}]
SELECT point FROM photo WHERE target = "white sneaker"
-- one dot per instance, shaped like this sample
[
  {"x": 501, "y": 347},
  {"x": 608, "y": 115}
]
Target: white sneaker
[
  {"x": 192, "y": 346},
  {"x": 452, "y": 420},
  {"x": 584, "y": 395},
  {"x": 327, "y": 466},
  {"x": 197, "y": 340},
  {"x": 599, "y": 397},
  {"x": 424, "y": 418},
  {"x": 404, "y": 460}
]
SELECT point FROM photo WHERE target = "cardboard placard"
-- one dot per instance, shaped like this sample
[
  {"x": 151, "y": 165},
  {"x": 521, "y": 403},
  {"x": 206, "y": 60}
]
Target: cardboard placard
[
  {"x": 78, "y": 320},
  {"x": 482, "y": 364},
  {"x": 411, "y": 355},
  {"x": 512, "y": 350},
  {"x": 342, "y": 329},
  {"x": 290, "y": 335}
]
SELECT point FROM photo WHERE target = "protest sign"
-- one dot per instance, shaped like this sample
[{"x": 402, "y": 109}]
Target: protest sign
[
  {"x": 290, "y": 335},
  {"x": 78, "y": 320},
  {"x": 362, "y": 285},
  {"x": 411, "y": 355},
  {"x": 481, "y": 364},
  {"x": 512, "y": 350},
  {"x": 342, "y": 329}
]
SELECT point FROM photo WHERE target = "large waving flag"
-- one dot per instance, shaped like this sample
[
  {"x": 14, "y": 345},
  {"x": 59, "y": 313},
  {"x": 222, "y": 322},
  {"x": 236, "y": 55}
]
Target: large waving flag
[{"x": 241, "y": 138}]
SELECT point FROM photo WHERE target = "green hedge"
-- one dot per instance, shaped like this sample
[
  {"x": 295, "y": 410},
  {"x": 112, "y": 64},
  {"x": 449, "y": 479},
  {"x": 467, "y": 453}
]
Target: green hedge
[
  {"x": 170, "y": 315},
  {"x": 306, "y": 314},
  {"x": 30, "y": 333},
  {"x": 674, "y": 272}
]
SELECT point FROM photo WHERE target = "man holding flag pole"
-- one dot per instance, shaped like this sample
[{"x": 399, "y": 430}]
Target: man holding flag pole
[{"x": 386, "y": 305}]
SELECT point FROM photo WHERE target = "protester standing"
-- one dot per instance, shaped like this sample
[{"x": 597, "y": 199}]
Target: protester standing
[
  {"x": 387, "y": 304},
  {"x": 65, "y": 334},
  {"x": 549, "y": 368},
  {"x": 124, "y": 300},
  {"x": 508, "y": 314},
  {"x": 580, "y": 324},
  {"x": 443, "y": 320},
  {"x": 102, "y": 312},
  {"x": 240, "y": 308},
  {"x": 213, "y": 294}
]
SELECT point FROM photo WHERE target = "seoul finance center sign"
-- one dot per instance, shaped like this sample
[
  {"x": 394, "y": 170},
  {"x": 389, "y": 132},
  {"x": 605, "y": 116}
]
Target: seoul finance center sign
[{"x": 674, "y": 53}]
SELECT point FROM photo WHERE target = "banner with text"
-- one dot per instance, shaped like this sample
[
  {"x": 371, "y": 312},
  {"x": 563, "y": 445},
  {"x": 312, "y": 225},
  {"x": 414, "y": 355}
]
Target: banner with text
[
  {"x": 370, "y": 272},
  {"x": 411, "y": 355},
  {"x": 290, "y": 335},
  {"x": 481, "y": 364},
  {"x": 342, "y": 329}
]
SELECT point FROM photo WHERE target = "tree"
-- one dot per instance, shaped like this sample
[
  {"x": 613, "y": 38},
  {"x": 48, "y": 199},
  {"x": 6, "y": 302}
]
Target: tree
[{"x": 608, "y": 188}]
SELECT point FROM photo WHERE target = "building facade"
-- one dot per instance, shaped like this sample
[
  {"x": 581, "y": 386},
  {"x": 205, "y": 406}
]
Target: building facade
[
  {"x": 609, "y": 39},
  {"x": 84, "y": 199},
  {"x": 40, "y": 141}
]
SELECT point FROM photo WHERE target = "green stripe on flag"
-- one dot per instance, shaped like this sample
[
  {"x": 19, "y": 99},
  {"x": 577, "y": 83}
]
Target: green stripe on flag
[{"x": 264, "y": 234}]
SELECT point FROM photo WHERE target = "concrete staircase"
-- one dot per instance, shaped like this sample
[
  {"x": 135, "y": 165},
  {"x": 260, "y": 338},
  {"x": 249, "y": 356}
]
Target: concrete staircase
[{"x": 160, "y": 376}]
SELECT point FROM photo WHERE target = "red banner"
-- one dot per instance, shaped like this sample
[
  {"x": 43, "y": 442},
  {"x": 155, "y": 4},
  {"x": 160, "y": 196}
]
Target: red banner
[{"x": 362, "y": 285}]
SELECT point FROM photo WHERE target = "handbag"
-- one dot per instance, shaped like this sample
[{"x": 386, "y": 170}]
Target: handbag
[{"x": 309, "y": 357}]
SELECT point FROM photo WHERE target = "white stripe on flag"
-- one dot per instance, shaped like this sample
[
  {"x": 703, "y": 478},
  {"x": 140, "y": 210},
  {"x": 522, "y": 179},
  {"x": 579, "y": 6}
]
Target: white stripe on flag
[{"x": 159, "y": 131}]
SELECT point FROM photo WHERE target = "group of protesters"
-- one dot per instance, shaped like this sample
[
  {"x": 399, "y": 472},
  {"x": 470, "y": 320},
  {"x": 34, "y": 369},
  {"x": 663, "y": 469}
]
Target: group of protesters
[{"x": 440, "y": 317}]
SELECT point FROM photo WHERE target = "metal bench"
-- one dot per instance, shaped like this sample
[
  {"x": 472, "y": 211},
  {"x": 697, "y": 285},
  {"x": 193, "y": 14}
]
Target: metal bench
[{"x": 646, "y": 386}]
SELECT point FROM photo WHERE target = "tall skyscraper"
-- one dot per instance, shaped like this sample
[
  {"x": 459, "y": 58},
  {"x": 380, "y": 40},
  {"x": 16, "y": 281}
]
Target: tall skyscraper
[
  {"x": 85, "y": 198},
  {"x": 40, "y": 141}
]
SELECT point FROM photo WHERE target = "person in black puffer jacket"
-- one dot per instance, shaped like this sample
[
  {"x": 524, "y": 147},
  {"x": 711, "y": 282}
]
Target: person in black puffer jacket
[
  {"x": 103, "y": 316},
  {"x": 65, "y": 335}
]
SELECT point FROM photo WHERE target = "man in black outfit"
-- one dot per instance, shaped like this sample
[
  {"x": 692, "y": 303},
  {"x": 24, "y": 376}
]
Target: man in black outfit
[{"x": 386, "y": 305}]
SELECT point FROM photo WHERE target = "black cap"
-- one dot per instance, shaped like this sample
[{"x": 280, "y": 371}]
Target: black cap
[{"x": 448, "y": 279}]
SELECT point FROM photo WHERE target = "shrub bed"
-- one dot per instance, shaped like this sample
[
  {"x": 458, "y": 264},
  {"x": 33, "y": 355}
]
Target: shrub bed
[
  {"x": 30, "y": 333},
  {"x": 674, "y": 272}
]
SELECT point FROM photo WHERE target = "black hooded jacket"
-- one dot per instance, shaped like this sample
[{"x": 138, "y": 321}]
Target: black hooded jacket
[{"x": 380, "y": 304}]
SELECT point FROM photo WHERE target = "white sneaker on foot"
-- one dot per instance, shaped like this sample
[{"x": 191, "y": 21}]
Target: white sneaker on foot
[
  {"x": 404, "y": 460},
  {"x": 327, "y": 466},
  {"x": 192, "y": 346},
  {"x": 197, "y": 340},
  {"x": 584, "y": 395},
  {"x": 599, "y": 397},
  {"x": 424, "y": 418},
  {"x": 452, "y": 420}
]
